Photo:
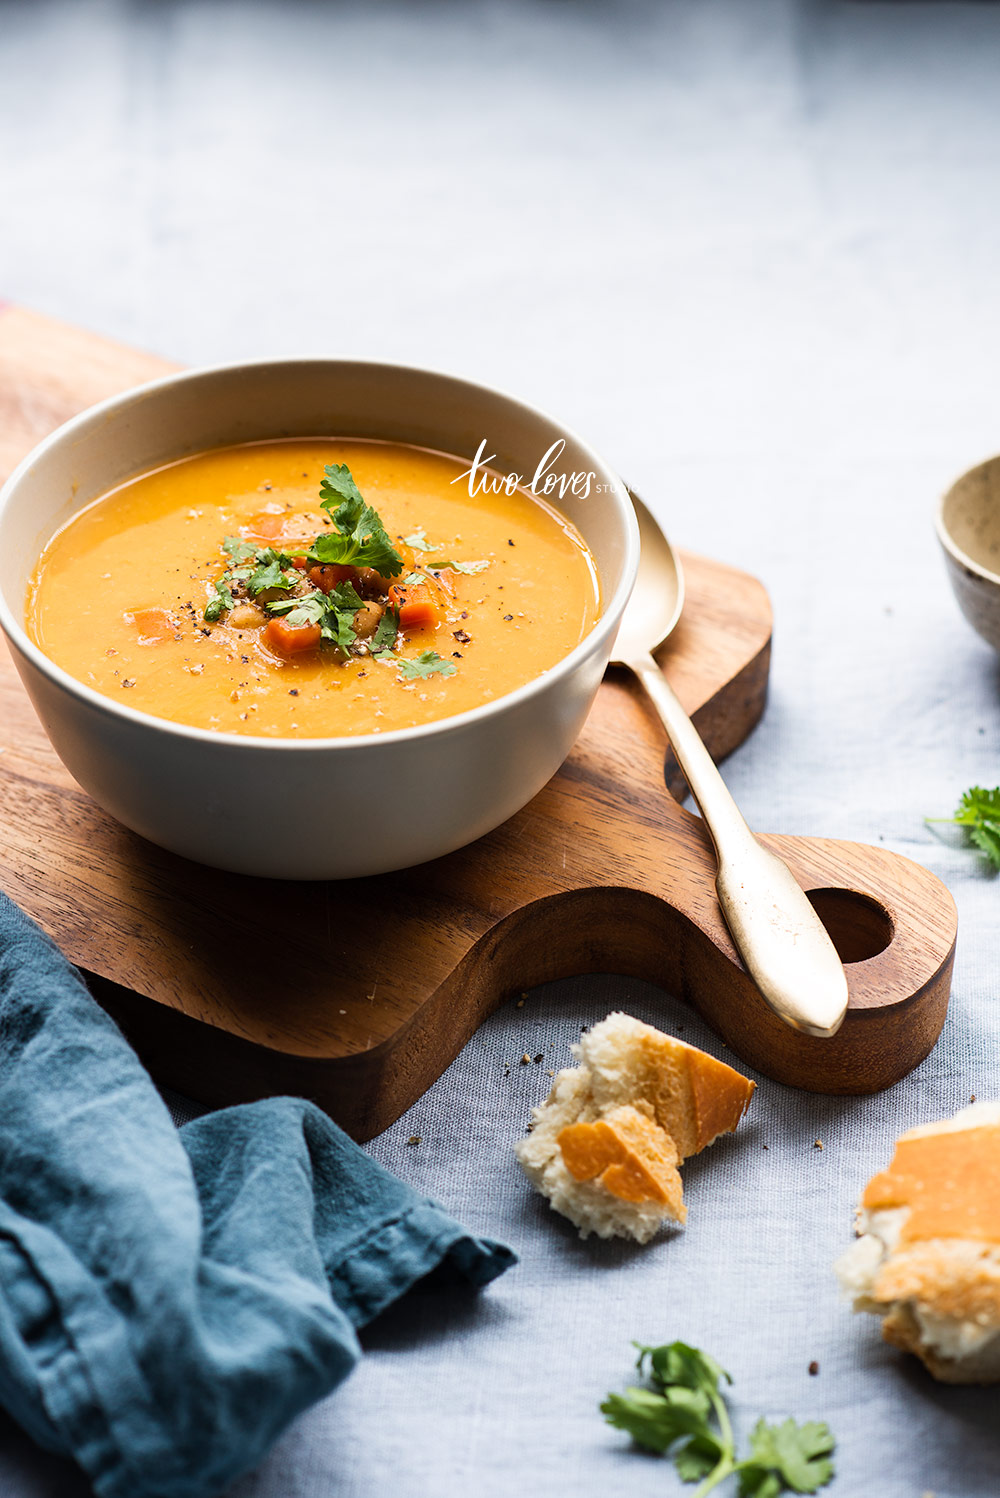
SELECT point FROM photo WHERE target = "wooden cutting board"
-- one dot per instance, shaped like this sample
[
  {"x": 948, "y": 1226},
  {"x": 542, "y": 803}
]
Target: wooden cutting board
[{"x": 359, "y": 994}]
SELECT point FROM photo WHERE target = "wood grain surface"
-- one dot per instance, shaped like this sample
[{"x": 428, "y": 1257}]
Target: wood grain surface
[{"x": 603, "y": 871}]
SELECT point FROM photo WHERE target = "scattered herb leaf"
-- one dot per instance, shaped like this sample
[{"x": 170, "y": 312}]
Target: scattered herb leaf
[
  {"x": 427, "y": 663},
  {"x": 979, "y": 813},
  {"x": 468, "y": 568},
  {"x": 677, "y": 1412},
  {"x": 787, "y": 1456},
  {"x": 419, "y": 542},
  {"x": 239, "y": 551},
  {"x": 270, "y": 573},
  {"x": 309, "y": 608},
  {"x": 384, "y": 637},
  {"x": 223, "y": 599}
]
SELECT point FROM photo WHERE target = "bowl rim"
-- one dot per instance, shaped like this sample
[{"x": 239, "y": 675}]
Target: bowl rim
[
  {"x": 509, "y": 701},
  {"x": 945, "y": 536}
]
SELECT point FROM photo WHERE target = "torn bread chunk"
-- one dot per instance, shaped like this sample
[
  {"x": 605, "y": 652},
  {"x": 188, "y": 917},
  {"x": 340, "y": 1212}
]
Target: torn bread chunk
[
  {"x": 606, "y": 1146},
  {"x": 927, "y": 1256}
]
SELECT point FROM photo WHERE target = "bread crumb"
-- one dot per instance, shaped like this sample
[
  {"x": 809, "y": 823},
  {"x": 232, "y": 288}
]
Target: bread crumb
[
  {"x": 817, "y": 1144},
  {"x": 525, "y": 1059},
  {"x": 897, "y": 1262},
  {"x": 606, "y": 1146},
  {"x": 813, "y": 1368},
  {"x": 413, "y": 1139},
  {"x": 539, "y": 1057}
]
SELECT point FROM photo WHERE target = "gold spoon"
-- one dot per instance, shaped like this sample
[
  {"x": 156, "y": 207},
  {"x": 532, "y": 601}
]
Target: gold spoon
[{"x": 783, "y": 942}]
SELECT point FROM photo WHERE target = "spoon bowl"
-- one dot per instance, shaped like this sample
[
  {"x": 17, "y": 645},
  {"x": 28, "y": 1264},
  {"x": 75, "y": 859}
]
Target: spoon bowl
[
  {"x": 658, "y": 596},
  {"x": 783, "y": 943}
]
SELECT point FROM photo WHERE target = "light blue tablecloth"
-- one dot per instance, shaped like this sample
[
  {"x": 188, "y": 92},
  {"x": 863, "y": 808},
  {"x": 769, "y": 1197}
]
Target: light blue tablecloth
[{"x": 750, "y": 249}]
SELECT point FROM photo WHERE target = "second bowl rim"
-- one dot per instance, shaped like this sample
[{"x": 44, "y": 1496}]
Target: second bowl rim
[{"x": 945, "y": 536}]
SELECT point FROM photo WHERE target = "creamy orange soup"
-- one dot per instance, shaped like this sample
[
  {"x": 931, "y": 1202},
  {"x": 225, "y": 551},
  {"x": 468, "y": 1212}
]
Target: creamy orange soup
[{"x": 489, "y": 592}]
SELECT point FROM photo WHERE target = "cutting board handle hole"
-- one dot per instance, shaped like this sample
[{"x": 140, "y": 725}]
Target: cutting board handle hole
[{"x": 859, "y": 926}]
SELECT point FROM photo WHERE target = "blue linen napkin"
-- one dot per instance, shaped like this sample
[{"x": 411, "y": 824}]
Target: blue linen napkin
[{"x": 170, "y": 1299}]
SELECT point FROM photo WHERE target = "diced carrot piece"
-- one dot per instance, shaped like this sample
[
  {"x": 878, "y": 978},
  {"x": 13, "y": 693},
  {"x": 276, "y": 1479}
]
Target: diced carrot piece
[
  {"x": 330, "y": 574},
  {"x": 417, "y": 605},
  {"x": 154, "y": 625},
  {"x": 291, "y": 639}
]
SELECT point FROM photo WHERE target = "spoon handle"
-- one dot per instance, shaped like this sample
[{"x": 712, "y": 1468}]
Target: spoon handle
[{"x": 781, "y": 939}]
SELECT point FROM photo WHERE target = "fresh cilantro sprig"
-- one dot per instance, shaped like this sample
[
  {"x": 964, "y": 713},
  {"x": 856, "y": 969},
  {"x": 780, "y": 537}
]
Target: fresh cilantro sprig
[
  {"x": 676, "y": 1415},
  {"x": 979, "y": 813},
  {"x": 359, "y": 539}
]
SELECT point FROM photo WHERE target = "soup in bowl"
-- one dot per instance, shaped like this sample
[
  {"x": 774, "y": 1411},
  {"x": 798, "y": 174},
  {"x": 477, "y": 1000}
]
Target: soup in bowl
[{"x": 313, "y": 619}]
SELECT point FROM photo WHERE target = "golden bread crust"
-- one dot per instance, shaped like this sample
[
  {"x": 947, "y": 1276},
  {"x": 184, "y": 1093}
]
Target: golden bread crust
[
  {"x": 901, "y": 1329},
  {"x": 631, "y": 1156},
  {"x": 944, "y": 1277},
  {"x": 695, "y": 1097},
  {"x": 950, "y": 1181},
  {"x": 721, "y": 1095}
]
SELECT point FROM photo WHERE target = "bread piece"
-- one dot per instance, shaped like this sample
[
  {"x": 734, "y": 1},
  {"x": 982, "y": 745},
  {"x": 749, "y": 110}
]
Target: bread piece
[
  {"x": 606, "y": 1145},
  {"x": 927, "y": 1256}
]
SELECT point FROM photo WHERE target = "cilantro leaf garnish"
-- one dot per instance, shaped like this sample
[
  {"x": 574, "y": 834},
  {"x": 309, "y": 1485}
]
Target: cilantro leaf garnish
[
  {"x": 338, "y": 490},
  {"x": 309, "y": 608},
  {"x": 385, "y": 634},
  {"x": 337, "y": 624},
  {"x": 270, "y": 572},
  {"x": 359, "y": 538},
  {"x": 239, "y": 551},
  {"x": 427, "y": 663},
  {"x": 334, "y": 613},
  {"x": 979, "y": 813},
  {"x": 223, "y": 599},
  {"x": 677, "y": 1414},
  {"x": 419, "y": 542},
  {"x": 787, "y": 1456}
]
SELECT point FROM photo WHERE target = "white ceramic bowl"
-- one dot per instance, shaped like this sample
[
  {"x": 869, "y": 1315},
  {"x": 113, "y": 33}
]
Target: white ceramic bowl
[{"x": 321, "y": 808}]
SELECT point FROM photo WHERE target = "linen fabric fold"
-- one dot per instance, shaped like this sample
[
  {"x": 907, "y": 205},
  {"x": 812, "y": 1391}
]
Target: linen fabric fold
[{"x": 171, "y": 1299}]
